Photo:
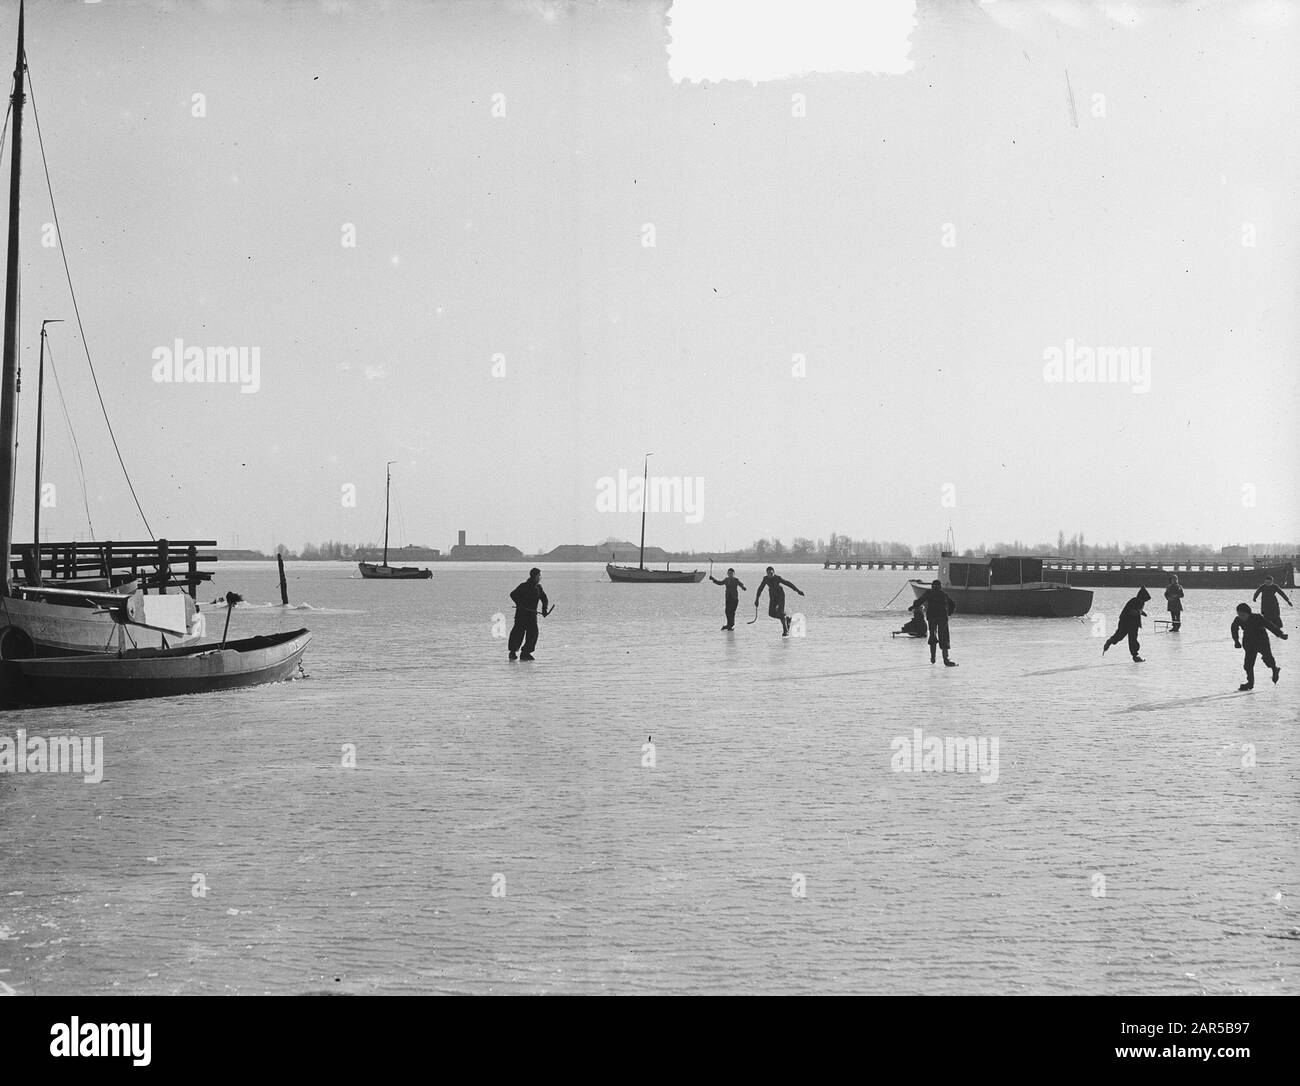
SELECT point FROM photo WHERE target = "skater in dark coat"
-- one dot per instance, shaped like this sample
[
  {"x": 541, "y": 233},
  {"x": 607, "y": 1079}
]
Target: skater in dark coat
[
  {"x": 733, "y": 585},
  {"x": 1174, "y": 602},
  {"x": 776, "y": 598},
  {"x": 1254, "y": 630},
  {"x": 937, "y": 606},
  {"x": 915, "y": 626},
  {"x": 1130, "y": 621},
  {"x": 1268, "y": 605},
  {"x": 527, "y": 596}
]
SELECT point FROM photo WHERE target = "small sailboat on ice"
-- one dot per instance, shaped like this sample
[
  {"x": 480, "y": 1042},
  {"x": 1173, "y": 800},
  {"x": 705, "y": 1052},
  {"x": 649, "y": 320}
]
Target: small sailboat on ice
[
  {"x": 383, "y": 571},
  {"x": 638, "y": 574}
]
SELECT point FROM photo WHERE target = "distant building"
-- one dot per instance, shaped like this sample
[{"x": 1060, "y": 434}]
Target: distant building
[
  {"x": 486, "y": 552},
  {"x": 1235, "y": 554}
]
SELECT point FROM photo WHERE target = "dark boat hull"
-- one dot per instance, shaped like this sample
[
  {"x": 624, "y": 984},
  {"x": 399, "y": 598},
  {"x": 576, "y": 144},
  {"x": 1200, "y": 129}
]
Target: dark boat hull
[
  {"x": 635, "y": 575},
  {"x": 372, "y": 572},
  {"x": 151, "y": 673},
  {"x": 1157, "y": 577},
  {"x": 1023, "y": 601}
]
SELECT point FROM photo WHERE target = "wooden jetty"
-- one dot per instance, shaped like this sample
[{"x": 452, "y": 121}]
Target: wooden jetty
[
  {"x": 1119, "y": 572},
  {"x": 157, "y": 564},
  {"x": 853, "y": 561}
]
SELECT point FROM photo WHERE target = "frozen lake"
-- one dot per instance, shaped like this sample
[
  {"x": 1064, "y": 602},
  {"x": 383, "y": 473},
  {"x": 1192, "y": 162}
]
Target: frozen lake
[{"x": 501, "y": 830}]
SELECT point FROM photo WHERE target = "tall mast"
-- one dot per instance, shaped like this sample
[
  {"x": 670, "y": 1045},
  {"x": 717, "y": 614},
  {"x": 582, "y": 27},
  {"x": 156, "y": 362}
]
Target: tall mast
[
  {"x": 388, "y": 486},
  {"x": 9, "y": 374},
  {"x": 40, "y": 428},
  {"x": 640, "y": 562}
]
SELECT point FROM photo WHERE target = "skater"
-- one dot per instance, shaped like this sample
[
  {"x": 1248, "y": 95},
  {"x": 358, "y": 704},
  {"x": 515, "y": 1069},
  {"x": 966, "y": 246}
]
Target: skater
[
  {"x": 1268, "y": 606},
  {"x": 733, "y": 586},
  {"x": 1174, "y": 602},
  {"x": 526, "y": 597},
  {"x": 1254, "y": 639},
  {"x": 776, "y": 598},
  {"x": 938, "y": 605},
  {"x": 1130, "y": 621},
  {"x": 915, "y": 626}
]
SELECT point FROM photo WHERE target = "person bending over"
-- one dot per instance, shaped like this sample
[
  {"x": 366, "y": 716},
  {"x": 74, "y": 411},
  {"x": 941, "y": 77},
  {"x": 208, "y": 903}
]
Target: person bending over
[{"x": 1254, "y": 630}]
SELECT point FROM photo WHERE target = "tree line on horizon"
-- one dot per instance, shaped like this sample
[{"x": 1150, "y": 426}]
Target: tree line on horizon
[
  {"x": 842, "y": 546},
  {"x": 332, "y": 550}
]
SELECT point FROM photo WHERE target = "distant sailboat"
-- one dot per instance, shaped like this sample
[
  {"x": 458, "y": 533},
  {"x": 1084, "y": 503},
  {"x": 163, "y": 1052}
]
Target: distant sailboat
[
  {"x": 639, "y": 574},
  {"x": 383, "y": 571}
]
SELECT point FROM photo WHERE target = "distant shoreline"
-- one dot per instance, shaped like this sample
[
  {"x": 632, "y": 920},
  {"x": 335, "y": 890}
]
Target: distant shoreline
[{"x": 401, "y": 558}]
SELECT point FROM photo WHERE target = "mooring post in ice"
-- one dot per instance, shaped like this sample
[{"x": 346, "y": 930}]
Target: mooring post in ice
[{"x": 232, "y": 598}]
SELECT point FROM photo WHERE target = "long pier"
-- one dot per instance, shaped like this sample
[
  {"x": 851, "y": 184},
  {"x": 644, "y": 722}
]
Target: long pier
[
  {"x": 1192, "y": 572},
  {"x": 1170, "y": 565},
  {"x": 1118, "y": 570},
  {"x": 854, "y": 561},
  {"x": 156, "y": 564}
]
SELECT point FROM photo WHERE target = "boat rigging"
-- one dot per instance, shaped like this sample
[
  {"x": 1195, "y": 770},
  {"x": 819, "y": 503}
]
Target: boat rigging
[
  {"x": 641, "y": 575},
  {"x": 383, "y": 571},
  {"x": 48, "y": 594}
]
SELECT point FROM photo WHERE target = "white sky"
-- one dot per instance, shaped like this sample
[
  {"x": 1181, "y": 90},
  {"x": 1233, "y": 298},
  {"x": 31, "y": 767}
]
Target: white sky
[{"x": 775, "y": 235}]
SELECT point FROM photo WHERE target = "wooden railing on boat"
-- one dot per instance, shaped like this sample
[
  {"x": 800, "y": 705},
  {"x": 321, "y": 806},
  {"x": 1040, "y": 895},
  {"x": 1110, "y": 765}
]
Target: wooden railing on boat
[{"x": 157, "y": 564}]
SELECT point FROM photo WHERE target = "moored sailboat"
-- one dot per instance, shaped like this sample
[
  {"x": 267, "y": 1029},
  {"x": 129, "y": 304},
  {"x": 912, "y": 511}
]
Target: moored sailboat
[
  {"x": 131, "y": 674},
  {"x": 152, "y": 673},
  {"x": 65, "y": 614},
  {"x": 638, "y": 574},
  {"x": 384, "y": 572}
]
